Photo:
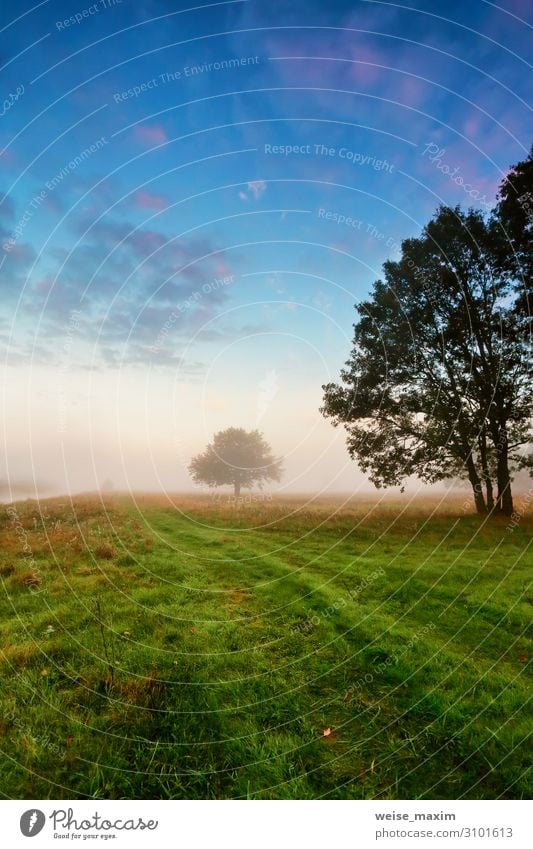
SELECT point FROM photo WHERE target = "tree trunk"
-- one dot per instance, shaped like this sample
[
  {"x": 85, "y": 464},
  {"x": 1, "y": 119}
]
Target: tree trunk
[
  {"x": 490, "y": 494},
  {"x": 504, "y": 500},
  {"x": 477, "y": 486},
  {"x": 486, "y": 474},
  {"x": 237, "y": 489}
]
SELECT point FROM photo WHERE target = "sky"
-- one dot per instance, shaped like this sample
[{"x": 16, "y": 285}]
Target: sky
[{"x": 193, "y": 197}]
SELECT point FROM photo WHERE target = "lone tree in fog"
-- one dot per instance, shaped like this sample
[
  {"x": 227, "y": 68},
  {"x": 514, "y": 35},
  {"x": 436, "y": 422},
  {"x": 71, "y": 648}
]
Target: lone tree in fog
[
  {"x": 438, "y": 383},
  {"x": 237, "y": 458}
]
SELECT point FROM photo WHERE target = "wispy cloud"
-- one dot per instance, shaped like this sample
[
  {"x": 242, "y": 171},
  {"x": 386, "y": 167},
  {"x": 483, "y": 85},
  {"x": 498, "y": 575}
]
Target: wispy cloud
[
  {"x": 127, "y": 282},
  {"x": 255, "y": 190},
  {"x": 150, "y": 200}
]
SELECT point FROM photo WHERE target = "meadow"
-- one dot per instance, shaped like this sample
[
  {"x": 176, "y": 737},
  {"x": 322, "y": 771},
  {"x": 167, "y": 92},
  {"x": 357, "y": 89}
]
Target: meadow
[{"x": 188, "y": 647}]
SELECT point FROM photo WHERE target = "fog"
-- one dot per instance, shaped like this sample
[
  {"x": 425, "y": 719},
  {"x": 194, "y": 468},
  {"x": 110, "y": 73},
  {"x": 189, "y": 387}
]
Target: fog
[{"x": 134, "y": 431}]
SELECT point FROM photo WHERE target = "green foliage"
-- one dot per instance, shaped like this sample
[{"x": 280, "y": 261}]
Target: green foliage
[
  {"x": 438, "y": 381},
  {"x": 512, "y": 228}
]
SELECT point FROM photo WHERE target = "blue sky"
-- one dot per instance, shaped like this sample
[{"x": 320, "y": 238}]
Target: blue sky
[{"x": 194, "y": 199}]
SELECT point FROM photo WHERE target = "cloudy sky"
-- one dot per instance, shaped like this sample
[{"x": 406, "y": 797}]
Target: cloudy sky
[{"x": 192, "y": 200}]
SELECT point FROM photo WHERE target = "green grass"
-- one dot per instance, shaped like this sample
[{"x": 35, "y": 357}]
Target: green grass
[{"x": 196, "y": 650}]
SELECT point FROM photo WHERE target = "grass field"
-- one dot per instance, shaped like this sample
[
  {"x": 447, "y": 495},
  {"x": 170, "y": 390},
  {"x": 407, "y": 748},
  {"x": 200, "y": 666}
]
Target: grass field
[{"x": 277, "y": 650}]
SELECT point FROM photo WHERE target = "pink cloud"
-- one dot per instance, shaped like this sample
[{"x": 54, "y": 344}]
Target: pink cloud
[
  {"x": 222, "y": 269},
  {"x": 150, "y": 200},
  {"x": 44, "y": 285},
  {"x": 472, "y": 126},
  {"x": 411, "y": 91},
  {"x": 150, "y": 135},
  {"x": 366, "y": 60}
]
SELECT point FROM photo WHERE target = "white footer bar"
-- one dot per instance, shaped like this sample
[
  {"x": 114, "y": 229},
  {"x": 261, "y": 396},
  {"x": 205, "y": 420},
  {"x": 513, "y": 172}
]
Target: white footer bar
[{"x": 267, "y": 824}]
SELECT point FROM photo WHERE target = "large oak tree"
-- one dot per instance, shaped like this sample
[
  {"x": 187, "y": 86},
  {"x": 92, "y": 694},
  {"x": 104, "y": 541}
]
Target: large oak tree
[{"x": 438, "y": 381}]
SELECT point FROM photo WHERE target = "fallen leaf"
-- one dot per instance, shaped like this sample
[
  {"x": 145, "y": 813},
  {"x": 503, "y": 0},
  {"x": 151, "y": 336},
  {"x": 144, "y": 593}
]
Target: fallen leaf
[
  {"x": 523, "y": 658},
  {"x": 326, "y": 732},
  {"x": 70, "y": 740}
]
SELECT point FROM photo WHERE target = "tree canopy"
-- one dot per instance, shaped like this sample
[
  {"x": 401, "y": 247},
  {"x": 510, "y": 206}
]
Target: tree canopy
[
  {"x": 237, "y": 458},
  {"x": 513, "y": 229},
  {"x": 438, "y": 381}
]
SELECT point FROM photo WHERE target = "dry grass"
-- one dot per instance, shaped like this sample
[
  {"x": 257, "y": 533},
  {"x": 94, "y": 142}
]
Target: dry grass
[
  {"x": 26, "y": 578},
  {"x": 105, "y": 551}
]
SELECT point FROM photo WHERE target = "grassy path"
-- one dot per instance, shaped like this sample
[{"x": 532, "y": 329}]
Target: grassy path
[{"x": 149, "y": 652}]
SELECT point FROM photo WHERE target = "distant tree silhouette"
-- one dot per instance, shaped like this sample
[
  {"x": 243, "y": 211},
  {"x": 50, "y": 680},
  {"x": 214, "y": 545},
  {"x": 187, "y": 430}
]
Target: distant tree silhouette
[{"x": 237, "y": 458}]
